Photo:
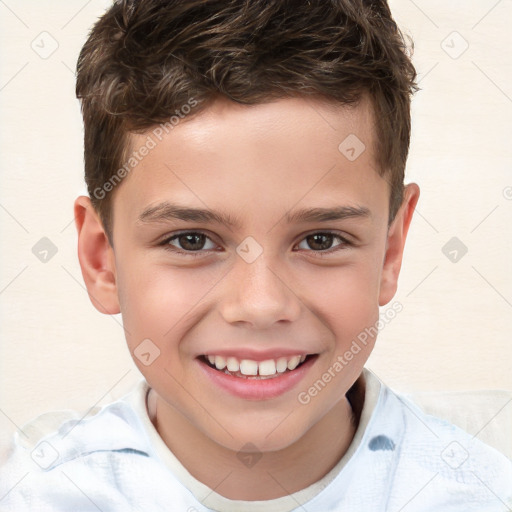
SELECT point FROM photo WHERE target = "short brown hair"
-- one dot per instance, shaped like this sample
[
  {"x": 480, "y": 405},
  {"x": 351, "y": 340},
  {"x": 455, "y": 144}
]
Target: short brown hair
[{"x": 145, "y": 59}]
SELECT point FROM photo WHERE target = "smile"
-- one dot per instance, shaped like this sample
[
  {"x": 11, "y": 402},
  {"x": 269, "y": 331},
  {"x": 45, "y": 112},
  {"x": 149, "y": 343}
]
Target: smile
[
  {"x": 248, "y": 368},
  {"x": 252, "y": 379}
]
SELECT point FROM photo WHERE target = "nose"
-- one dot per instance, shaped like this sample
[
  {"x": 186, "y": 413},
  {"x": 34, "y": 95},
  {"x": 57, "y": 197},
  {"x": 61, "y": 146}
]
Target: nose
[{"x": 258, "y": 295}]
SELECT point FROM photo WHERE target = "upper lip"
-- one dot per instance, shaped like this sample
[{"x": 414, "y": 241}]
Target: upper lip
[{"x": 257, "y": 355}]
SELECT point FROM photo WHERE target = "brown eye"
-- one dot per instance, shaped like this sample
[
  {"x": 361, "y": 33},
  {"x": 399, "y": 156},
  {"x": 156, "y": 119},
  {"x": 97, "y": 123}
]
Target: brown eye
[
  {"x": 323, "y": 242},
  {"x": 188, "y": 243},
  {"x": 320, "y": 242},
  {"x": 191, "y": 242}
]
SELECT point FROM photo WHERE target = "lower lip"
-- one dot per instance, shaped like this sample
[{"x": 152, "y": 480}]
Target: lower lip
[{"x": 257, "y": 389}]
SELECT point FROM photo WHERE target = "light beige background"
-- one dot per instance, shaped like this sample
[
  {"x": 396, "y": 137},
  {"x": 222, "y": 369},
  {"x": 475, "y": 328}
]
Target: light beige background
[{"x": 58, "y": 352}]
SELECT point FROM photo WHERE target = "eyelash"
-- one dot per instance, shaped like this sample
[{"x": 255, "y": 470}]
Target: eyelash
[{"x": 166, "y": 245}]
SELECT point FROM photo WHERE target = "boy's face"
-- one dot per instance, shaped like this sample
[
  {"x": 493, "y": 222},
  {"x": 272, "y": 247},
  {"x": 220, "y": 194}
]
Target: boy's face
[{"x": 263, "y": 289}]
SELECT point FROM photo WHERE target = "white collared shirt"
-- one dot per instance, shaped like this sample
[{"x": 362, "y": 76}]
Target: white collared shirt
[{"x": 400, "y": 459}]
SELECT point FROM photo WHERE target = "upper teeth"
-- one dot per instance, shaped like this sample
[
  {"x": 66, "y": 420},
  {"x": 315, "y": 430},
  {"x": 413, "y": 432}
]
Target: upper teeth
[{"x": 250, "y": 367}]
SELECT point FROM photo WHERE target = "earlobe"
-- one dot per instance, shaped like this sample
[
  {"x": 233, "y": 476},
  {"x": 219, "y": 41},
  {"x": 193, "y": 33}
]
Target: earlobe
[
  {"x": 395, "y": 244},
  {"x": 96, "y": 258}
]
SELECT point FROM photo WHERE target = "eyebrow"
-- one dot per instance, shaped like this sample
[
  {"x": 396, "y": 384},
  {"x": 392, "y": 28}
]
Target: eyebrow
[{"x": 166, "y": 211}]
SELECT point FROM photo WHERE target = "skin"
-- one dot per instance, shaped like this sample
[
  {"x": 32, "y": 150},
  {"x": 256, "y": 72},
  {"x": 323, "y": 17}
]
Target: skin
[{"x": 257, "y": 164}]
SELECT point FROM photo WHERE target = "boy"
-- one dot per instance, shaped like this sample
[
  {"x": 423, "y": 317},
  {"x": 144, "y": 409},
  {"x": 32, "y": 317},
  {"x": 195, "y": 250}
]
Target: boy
[{"x": 247, "y": 216}]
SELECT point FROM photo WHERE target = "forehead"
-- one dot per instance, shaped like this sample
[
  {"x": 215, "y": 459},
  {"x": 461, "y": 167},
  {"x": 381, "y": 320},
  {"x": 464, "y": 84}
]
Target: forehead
[
  {"x": 281, "y": 123},
  {"x": 280, "y": 153}
]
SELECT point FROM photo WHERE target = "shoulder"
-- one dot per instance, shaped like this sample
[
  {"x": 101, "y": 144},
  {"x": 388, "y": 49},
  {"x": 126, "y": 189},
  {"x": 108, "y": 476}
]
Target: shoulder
[
  {"x": 440, "y": 464},
  {"x": 54, "y": 438},
  {"x": 59, "y": 458}
]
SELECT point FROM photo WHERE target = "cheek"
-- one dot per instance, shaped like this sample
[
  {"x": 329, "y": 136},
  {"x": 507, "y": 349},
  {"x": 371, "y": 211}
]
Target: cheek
[
  {"x": 346, "y": 297},
  {"x": 156, "y": 301}
]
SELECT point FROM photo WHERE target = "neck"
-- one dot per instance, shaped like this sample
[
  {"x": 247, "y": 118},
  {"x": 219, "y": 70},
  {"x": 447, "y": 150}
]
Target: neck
[{"x": 275, "y": 474}]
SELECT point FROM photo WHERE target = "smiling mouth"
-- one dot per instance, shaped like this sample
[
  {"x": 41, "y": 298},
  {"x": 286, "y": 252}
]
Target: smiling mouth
[{"x": 256, "y": 370}]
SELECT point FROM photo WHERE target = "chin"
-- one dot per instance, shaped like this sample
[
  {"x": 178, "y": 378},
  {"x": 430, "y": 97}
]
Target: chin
[{"x": 261, "y": 436}]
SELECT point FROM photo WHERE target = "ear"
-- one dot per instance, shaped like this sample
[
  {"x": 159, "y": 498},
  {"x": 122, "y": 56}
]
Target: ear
[
  {"x": 96, "y": 258},
  {"x": 395, "y": 243}
]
